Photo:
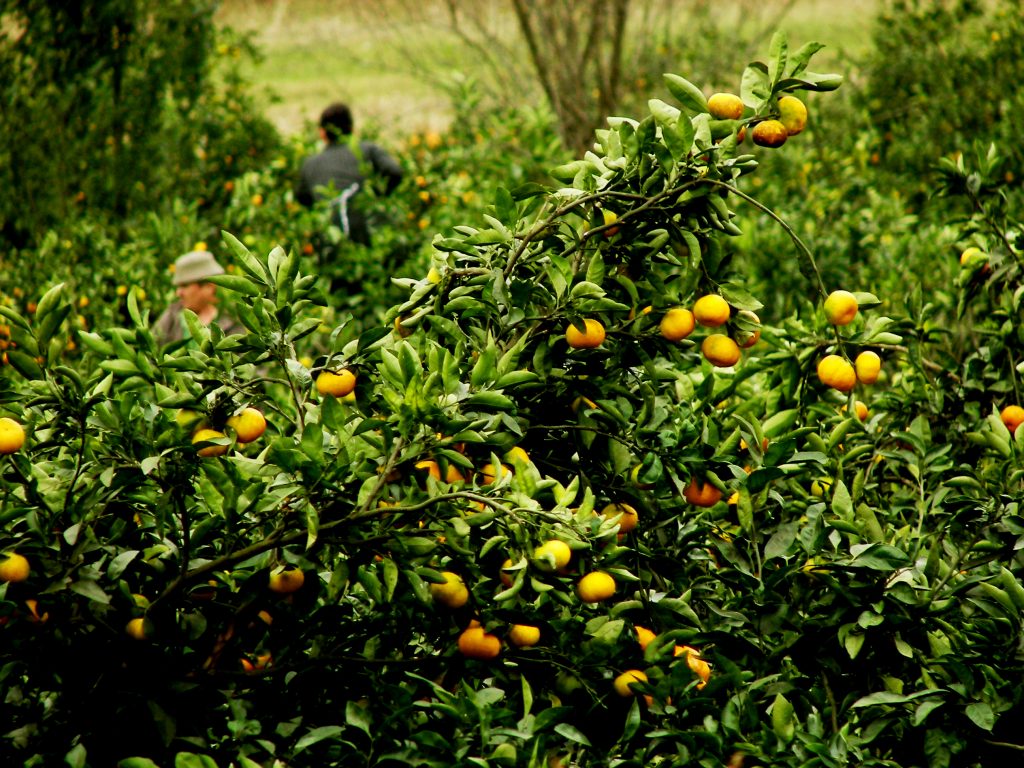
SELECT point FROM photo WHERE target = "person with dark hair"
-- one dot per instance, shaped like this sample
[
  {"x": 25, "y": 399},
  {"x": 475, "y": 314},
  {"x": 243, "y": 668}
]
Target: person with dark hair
[{"x": 337, "y": 173}]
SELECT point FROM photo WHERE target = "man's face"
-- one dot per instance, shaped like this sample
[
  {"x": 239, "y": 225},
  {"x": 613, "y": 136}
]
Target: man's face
[{"x": 197, "y": 296}]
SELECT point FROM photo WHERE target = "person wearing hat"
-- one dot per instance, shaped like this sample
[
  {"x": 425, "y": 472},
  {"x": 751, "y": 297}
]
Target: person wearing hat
[{"x": 194, "y": 292}]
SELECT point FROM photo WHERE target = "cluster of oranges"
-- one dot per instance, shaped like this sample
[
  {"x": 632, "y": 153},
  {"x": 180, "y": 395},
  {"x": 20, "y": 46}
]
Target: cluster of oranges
[
  {"x": 624, "y": 682},
  {"x": 5, "y": 342},
  {"x": 711, "y": 311},
  {"x": 837, "y": 371},
  {"x": 553, "y": 556},
  {"x": 789, "y": 120},
  {"x": 248, "y": 424}
]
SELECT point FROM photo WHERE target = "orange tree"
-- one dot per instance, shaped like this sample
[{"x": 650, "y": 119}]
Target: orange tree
[{"x": 530, "y": 521}]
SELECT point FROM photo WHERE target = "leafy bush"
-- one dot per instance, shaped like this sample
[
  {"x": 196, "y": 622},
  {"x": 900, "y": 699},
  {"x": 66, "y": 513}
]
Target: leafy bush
[
  {"x": 120, "y": 106},
  {"x": 825, "y": 584}
]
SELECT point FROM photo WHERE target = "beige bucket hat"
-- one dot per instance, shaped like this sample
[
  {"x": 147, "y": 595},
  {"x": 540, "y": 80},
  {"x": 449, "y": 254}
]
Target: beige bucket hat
[{"x": 194, "y": 267}]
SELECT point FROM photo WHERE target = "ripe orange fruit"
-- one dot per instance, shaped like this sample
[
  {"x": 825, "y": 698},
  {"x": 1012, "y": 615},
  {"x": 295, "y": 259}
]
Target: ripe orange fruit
[
  {"x": 431, "y": 467},
  {"x": 609, "y": 217},
  {"x": 748, "y": 331},
  {"x": 400, "y": 329},
  {"x": 677, "y": 324},
  {"x": 702, "y": 494},
  {"x": 860, "y": 408},
  {"x": 622, "y": 682},
  {"x": 972, "y": 256},
  {"x": 524, "y": 635},
  {"x": 711, "y": 311},
  {"x": 1012, "y": 416},
  {"x": 792, "y": 114},
  {"x": 201, "y": 435},
  {"x": 593, "y": 337},
  {"x": 336, "y": 384},
  {"x": 453, "y": 593},
  {"x": 249, "y": 425},
  {"x": 552, "y": 555},
  {"x": 841, "y": 307},
  {"x": 595, "y": 587},
  {"x": 769, "y": 133},
  {"x": 285, "y": 580},
  {"x": 262, "y": 661},
  {"x": 12, "y": 436},
  {"x": 475, "y": 643},
  {"x": 139, "y": 628},
  {"x": 693, "y": 660},
  {"x": 725, "y": 106},
  {"x": 867, "y": 365},
  {"x": 516, "y": 455},
  {"x": 507, "y": 578},
  {"x": 14, "y": 568},
  {"x": 644, "y": 636},
  {"x": 836, "y": 372},
  {"x": 719, "y": 350},
  {"x": 489, "y": 474},
  {"x": 629, "y": 518}
]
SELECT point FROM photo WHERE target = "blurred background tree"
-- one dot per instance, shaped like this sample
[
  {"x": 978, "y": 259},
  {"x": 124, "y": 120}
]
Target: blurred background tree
[{"x": 116, "y": 106}]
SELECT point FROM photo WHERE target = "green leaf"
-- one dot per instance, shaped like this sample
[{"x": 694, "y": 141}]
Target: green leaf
[
  {"x": 358, "y": 717},
  {"x": 686, "y": 93},
  {"x": 248, "y": 262},
  {"x": 25, "y": 365},
  {"x": 888, "y": 697},
  {"x": 810, "y": 82},
  {"x": 632, "y": 724},
  {"x": 191, "y": 760},
  {"x": 238, "y": 284},
  {"x": 76, "y": 757},
  {"x": 755, "y": 89},
  {"x": 842, "y": 504},
  {"x": 783, "y": 721},
  {"x": 777, "y": 51},
  {"x": 799, "y": 60},
  {"x": 572, "y": 733},
  {"x": 880, "y": 557},
  {"x": 317, "y": 735},
  {"x": 527, "y": 695}
]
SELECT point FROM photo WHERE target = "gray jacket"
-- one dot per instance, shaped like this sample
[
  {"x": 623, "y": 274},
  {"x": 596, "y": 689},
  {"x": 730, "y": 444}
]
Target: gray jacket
[{"x": 336, "y": 174}]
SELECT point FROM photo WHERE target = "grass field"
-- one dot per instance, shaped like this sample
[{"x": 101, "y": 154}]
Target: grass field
[{"x": 389, "y": 60}]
